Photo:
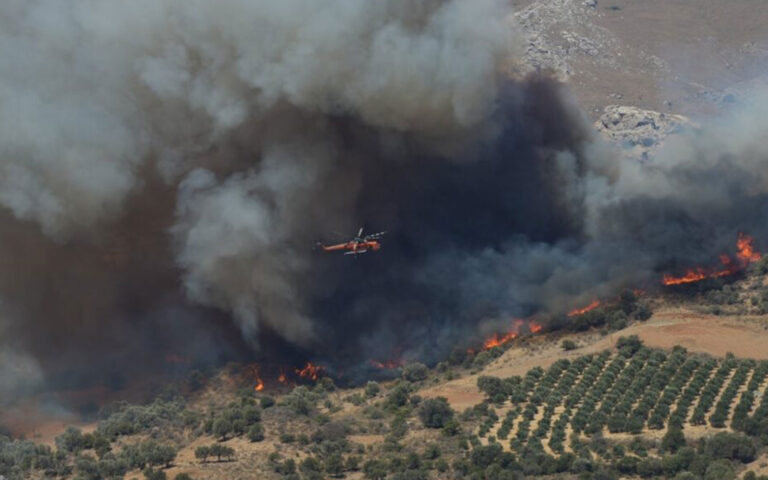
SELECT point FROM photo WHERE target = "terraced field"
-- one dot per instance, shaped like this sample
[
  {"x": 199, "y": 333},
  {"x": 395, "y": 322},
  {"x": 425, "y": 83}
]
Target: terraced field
[{"x": 632, "y": 391}]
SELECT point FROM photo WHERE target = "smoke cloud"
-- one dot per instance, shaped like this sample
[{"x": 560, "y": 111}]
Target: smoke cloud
[{"x": 165, "y": 169}]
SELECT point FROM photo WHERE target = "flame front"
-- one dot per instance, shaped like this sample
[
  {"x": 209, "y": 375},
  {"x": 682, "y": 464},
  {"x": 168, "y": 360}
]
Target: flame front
[
  {"x": 387, "y": 365},
  {"x": 746, "y": 249},
  {"x": 498, "y": 339},
  {"x": 746, "y": 254},
  {"x": 254, "y": 371},
  {"x": 582, "y": 311},
  {"x": 310, "y": 372}
]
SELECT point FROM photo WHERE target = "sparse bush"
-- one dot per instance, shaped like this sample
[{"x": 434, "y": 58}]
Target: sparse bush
[
  {"x": 372, "y": 389},
  {"x": 375, "y": 469},
  {"x": 218, "y": 450},
  {"x": 266, "y": 401},
  {"x": 643, "y": 312},
  {"x": 673, "y": 440},
  {"x": 399, "y": 395},
  {"x": 72, "y": 440},
  {"x": 286, "y": 467},
  {"x": 310, "y": 465},
  {"x": 451, "y": 428},
  {"x": 628, "y": 346},
  {"x": 482, "y": 359},
  {"x": 569, "y": 345},
  {"x": 302, "y": 401},
  {"x": 415, "y": 372},
  {"x": 152, "y": 474},
  {"x": 256, "y": 432},
  {"x": 222, "y": 428},
  {"x": 202, "y": 453},
  {"x": 484, "y": 456},
  {"x": 435, "y": 412},
  {"x": 731, "y": 446},
  {"x": 719, "y": 470},
  {"x": 492, "y": 387}
]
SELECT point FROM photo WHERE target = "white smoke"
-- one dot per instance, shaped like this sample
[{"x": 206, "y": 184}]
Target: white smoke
[
  {"x": 259, "y": 115},
  {"x": 93, "y": 93}
]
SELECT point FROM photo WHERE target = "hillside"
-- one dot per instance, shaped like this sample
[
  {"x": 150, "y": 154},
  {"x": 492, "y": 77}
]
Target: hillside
[
  {"x": 201, "y": 251},
  {"x": 617, "y": 402}
]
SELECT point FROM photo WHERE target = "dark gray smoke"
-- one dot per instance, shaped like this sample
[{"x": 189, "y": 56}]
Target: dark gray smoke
[{"x": 166, "y": 167}]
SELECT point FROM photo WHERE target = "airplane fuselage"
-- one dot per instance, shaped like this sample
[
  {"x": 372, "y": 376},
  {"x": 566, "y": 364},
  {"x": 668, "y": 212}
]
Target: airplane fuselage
[{"x": 354, "y": 247}]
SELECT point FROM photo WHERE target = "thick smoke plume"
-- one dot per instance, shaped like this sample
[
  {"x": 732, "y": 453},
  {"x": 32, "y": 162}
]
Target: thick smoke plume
[{"x": 166, "y": 166}]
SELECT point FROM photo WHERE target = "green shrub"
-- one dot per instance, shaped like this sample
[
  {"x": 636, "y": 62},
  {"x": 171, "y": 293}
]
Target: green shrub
[
  {"x": 415, "y": 372},
  {"x": 673, "y": 440},
  {"x": 435, "y": 412},
  {"x": 731, "y": 446},
  {"x": 266, "y": 401},
  {"x": 372, "y": 389},
  {"x": 256, "y": 432}
]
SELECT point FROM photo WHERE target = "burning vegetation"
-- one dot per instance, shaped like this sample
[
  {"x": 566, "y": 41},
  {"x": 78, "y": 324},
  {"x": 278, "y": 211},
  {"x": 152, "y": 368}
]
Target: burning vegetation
[
  {"x": 581, "y": 311},
  {"x": 746, "y": 254}
]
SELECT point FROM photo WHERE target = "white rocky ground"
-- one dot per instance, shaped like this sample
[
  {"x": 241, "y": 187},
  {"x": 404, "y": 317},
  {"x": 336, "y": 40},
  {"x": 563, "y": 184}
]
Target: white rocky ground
[
  {"x": 663, "y": 55},
  {"x": 640, "y": 132}
]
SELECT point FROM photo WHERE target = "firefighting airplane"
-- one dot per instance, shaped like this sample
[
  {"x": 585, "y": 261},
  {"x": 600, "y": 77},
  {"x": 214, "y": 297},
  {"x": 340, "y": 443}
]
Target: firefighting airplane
[{"x": 359, "y": 244}]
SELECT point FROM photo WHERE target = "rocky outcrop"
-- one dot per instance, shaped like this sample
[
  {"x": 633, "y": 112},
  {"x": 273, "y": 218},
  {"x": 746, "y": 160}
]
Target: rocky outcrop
[{"x": 639, "y": 132}]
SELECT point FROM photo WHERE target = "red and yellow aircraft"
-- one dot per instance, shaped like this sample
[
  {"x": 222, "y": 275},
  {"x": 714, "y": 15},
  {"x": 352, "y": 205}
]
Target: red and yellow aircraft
[{"x": 359, "y": 244}]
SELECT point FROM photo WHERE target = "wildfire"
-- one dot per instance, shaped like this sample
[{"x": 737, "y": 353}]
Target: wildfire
[
  {"x": 259, "y": 385},
  {"x": 498, "y": 339},
  {"x": 745, "y": 255},
  {"x": 582, "y": 311},
  {"x": 310, "y": 372},
  {"x": 282, "y": 378},
  {"x": 387, "y": 365},
  {"x": 747, "y": 252},
  {"x": 254, "y": 372}
]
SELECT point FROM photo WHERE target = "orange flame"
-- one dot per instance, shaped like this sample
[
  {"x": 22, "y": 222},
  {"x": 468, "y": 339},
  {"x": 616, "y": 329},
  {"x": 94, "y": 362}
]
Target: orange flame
[
  {"x": 310, "y": 372},
  {"x": 282, "y": 378},
  {"x": 387, "y": 365},
  {"x": 498, "y": 339},
  {"x": 747, "y": 252},
  {"x": 692, "y": 276},
  {"x": 582, "y": 311},
  {"x": 254, "y": 372},
  {"x": 745, "y": 255}
]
